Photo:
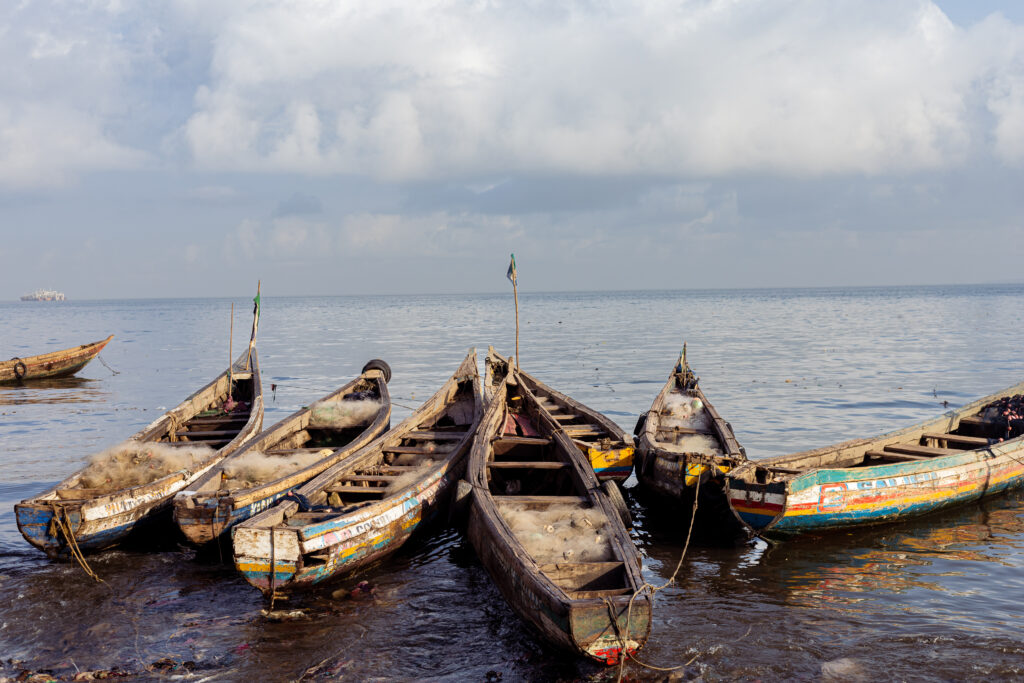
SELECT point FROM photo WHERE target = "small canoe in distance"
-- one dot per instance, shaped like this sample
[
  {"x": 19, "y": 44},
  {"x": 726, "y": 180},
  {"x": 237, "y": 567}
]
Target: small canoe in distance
[
  {"x": 683, "y": 438},
  {"x": 961, "y": 457},
  {"x": 54, "y": 364},
  {"x": 133, "y": 483},
  {"x": 367, "y": 505},
  {"x": 285, "y": 456},
  {"x": 608, "y": 448},
  {"x": 550, "y": 535}
]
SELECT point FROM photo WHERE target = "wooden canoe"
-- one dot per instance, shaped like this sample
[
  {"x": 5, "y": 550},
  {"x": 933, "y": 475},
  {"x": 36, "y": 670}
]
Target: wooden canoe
[
  {"x": 549, "y": 534},
  {"x": 682, "y": 439},
  {"x": 367, "y": 505},
  {"x": 285, "y": 456},
  {"x": 101, "y": 517},
  {"x": 53, "y": 364},
  {"x": 960, "y": 457},
  {"x": 606, "y": 445}
]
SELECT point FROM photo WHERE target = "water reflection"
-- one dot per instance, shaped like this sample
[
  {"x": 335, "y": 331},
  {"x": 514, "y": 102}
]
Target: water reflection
[{"x": 54, "y": 391}]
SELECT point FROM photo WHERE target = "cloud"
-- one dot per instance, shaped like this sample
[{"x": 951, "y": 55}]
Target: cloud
[
  {"x": 456, "y": 89},
  {"x": 299, "y": 205}
]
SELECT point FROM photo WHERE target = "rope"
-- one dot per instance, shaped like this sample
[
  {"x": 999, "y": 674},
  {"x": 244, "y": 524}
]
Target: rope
[
  {"x": 69, "y": 538},
  {"x": 653, "y": 591},
  {"x": 107, "y": 366}
]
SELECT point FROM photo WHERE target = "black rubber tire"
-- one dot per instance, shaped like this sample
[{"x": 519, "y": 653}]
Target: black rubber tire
[
  {"x": 611, "y": 489},
  {"x": 641, "y": 422},
  {"x": 19, "y": 374},
  {"x": 378, "y": 364}
]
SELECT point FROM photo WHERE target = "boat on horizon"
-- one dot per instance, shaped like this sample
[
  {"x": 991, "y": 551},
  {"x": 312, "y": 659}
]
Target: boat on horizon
[{"x": 44, "y": 295}]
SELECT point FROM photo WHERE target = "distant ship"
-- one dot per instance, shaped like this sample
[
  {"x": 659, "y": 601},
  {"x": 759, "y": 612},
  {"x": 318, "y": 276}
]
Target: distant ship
[{"x": 44, "y": 295}]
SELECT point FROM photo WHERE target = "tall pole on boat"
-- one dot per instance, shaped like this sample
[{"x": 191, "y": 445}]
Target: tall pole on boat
[
  {"x": 255, "y": 324},
  {"x": 515, "y": 293},
  {"x": 231, "y": 357}
]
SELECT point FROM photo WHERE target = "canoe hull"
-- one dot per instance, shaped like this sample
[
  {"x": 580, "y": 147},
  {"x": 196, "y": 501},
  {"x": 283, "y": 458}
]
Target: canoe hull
[
  {"x": 50, "y": 365},
  {"x": 104, "y": 521},
  {"x": 350, "y": 544},
  {"x": 581, "y": 626},
  {"x": 833, "y": 499}
]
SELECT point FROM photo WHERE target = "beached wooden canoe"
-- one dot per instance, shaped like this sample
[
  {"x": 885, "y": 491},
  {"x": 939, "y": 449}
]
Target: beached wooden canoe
[
  {"x": 606, "y": 445},
  {"x": 134, "y": 482},
  {"x": 964, "y": 455},
  {"x": 367, "y": 505},
  {"x": 285, "y": 456},
  {"x": 683, "y": 438},
  {"x": 551, "y": 536},
  {"x": 53, "y": 364}
]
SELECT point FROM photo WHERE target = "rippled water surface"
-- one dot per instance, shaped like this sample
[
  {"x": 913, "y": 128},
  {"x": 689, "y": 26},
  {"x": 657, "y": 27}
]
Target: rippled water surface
[{"x": 937, "y": 598}]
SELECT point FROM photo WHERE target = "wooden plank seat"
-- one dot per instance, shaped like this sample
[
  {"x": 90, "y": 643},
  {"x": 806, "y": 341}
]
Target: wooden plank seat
[
  {"x": 593, "y": 595},
  {"x": 216, "y": 432},
  {"x": 367, "y": 477},
  {"x": 292, "y": 451},
  {"x": 436, "y": 436},
  {"x": 583, "y": 430},
  {"x": 889, "y": 456},
  {"x": 522, "y": 440},
  {"x": 969, "y": 442},
  {"x": 415, "y": 450},
  {"x": 683, "y": 430},
  {"x": 543, "y": 500},
  {"x": 527, "y": 464},
  {"x": 914, "y": 449},
  {"x": 218, "y": 419},
  {"x": 343, "y": 488}
]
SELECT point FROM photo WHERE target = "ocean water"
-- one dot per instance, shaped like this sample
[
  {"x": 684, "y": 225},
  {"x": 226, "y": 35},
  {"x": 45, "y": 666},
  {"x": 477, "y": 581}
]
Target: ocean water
[{"x": 938, "y": 598}]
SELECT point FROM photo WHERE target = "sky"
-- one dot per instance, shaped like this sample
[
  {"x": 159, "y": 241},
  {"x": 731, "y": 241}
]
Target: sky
[{"x": 186, "y": 148}]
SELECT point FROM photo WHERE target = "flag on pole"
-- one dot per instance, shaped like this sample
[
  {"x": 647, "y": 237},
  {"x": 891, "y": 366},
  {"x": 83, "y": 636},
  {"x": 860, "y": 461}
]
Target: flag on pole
[
  {"x": 511, "y": 274},
  {"x": 255, "y": 317}
]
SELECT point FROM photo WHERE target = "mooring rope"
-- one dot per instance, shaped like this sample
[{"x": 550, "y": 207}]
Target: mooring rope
[
  {"x": 69, "y": 538},
  {"x": 653, "y": 591},
  {"x": 107, "y": 366}
]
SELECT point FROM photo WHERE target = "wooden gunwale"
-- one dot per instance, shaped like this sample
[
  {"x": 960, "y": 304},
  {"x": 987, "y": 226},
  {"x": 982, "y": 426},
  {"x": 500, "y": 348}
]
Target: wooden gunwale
[
  {"x": 103, "y": 521},
  {"x": 204, "y": 513},
  {"x": 334, "y": 543},
  {"x": 52, "y": 364},
  {"x": 574, "y": 622}
]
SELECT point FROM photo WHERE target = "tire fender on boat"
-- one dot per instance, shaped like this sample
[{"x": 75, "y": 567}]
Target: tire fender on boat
[
  {"x": 378, "y": 364},
  {"x": 19, "y": 368}
]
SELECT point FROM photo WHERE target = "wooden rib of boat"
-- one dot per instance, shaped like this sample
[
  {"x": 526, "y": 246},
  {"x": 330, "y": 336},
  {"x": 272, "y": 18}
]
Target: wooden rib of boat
[
  {"x": 682, "y": 439},
  {"x": 367, "y": 505},
  {"x": 609, "y": 449},
  {"x": 964, "y": 455},
  {"x": 549, "y": 534},
  {"x": 54, "y": 364},
  {"x": 285, "y": 456},
  {"x": 100, "y": 517}
]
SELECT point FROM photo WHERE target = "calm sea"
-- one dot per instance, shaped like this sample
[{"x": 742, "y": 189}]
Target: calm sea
[{"x": 937, "y": 599}]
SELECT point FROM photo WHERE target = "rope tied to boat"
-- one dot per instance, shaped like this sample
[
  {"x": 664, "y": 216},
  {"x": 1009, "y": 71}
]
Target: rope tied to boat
[
  {"x": 107, "y": 366},
  {"x": 612, "y": 612},
  {"x": 64, "y": 526}
]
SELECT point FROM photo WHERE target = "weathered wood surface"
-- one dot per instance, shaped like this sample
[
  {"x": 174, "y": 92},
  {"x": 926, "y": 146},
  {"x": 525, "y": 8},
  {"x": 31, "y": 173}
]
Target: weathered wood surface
[
  {"x": 671, "y": 473},
  {"x": 283, "y": 548},
  {"x": 607, "y": 446},
  {"x": 881, "y": 479},
  {"x": 569, "y": 604},
  {"x": 48, "y": 365},
  {"x": 100, "y": 521},
  {"x": 206, "y": 511}
]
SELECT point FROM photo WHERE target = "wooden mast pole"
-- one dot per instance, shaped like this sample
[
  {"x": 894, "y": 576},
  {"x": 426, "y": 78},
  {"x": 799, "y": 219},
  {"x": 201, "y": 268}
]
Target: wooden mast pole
[
  {"x": 255, "y": 324},
  {"x": 515, "y": 295},
  {"x": 231, "y": 352}
]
